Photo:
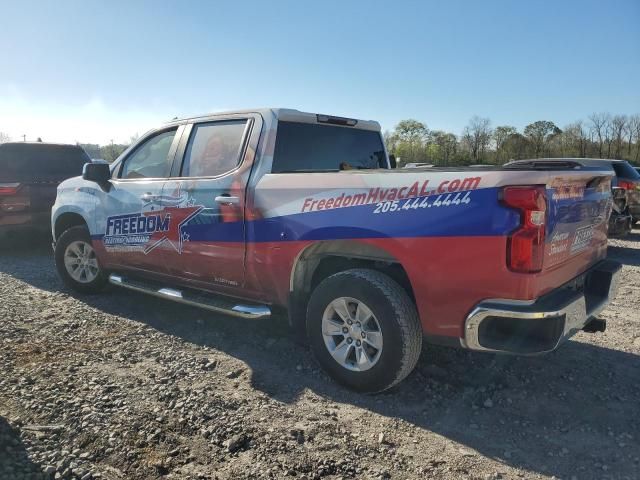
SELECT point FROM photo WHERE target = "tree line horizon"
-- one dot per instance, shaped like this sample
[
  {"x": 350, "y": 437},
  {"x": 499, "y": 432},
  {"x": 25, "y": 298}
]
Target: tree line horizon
[{"x": 602, "y": 135}]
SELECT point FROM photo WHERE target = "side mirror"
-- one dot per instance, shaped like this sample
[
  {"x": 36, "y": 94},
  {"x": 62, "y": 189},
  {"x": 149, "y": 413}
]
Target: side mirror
[
  {"x": 392, "y": 161},
  {"x": 96, "y": 172}
]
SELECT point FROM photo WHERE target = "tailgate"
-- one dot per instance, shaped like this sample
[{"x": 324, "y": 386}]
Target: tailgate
[
  {"x": 578, "y": 208},
  {"x": 27, "y": 197}
]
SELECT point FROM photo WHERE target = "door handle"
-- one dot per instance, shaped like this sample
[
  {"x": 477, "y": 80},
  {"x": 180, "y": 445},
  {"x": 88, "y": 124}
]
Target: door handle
[
  {"x": 227, "y": 200},
  {"x": 148, "y": 197}
]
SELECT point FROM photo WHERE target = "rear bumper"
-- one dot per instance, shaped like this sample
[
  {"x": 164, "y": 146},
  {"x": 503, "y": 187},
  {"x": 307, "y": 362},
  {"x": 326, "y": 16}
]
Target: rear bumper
[
  {"x": 540, "y": 326},
  {"x": 24, "y": 222}
]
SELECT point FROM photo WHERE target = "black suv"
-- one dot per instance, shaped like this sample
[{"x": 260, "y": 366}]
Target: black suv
[{"x": 29, "y": 176}]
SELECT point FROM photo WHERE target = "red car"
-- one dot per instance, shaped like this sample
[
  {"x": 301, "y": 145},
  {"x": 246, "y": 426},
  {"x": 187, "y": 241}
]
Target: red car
[{"x": 29, "y": 176}]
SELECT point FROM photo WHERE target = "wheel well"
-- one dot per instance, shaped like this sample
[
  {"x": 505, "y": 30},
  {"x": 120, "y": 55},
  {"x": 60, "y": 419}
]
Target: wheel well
[
  {"x": 332, "y": 264},
  {"x": 66, "y": 221},
  {"x": 321, "y": 262}
]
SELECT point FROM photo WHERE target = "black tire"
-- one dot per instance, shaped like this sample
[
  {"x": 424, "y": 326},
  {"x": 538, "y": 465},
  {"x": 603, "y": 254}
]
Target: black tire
[
  {"x": 398, "y": 321},
  {"x": 77, "y": 234}
]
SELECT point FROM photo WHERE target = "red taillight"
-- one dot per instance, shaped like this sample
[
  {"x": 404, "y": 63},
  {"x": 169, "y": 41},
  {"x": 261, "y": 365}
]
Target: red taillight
[
  {"x": 9, "y": 188},
  {"x": 628, "y": 185},
  {"x": 525, "y": 246}
]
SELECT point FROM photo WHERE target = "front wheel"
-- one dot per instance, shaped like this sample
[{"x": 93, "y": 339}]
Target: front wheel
[
  {"x": 77, "y": 263},
  {"x": 364, "y": 330}
]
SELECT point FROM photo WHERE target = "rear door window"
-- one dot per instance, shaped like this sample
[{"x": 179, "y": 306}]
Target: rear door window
[
  {"x": 214, "y": 148},
  {"x": 151, "y": 158},
  {"x": 312, "y": 147}
]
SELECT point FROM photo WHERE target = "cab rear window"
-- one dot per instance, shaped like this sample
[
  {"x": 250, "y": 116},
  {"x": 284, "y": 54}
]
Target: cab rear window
[
  {"x": 303, "y": 147},
  {"x": 40, "y": 161}
]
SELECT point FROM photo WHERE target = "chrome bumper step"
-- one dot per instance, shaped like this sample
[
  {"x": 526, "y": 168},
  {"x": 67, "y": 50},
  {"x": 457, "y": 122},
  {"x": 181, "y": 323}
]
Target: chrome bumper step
[
  {"x": 529, "y": 327},
  {"x": 211, "y": 302}
]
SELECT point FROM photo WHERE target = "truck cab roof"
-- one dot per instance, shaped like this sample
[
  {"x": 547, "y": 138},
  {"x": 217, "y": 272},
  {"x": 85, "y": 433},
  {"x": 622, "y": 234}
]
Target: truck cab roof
[{"x": 290, "y": 115}]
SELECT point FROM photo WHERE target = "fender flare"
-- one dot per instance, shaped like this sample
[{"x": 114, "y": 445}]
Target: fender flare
[
  {"x": 306, "y": 263},
  {"x": 73, "y": 214},
  {"x": 338, "y": 248}
]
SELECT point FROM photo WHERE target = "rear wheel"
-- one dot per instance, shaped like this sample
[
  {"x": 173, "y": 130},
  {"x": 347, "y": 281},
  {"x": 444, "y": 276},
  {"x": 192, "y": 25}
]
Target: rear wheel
[
  {"x": 364, "y": 330},
  {"x": 77, "y": 263}
]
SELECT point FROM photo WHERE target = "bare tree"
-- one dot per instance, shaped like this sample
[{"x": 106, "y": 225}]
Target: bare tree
[
  {"x": 618, "y": 129},
  {"x": 4, "y": 138},
  {"x": 633, "y": 134},
  {"x": 477, "y": 137},
  {"x": 575, "y": 138},
  {"x": 599, "y": 123},
  {"x": 637, "y": 136}
]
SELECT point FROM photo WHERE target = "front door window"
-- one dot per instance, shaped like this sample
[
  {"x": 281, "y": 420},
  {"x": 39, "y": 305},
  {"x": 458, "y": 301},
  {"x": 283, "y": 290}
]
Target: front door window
[{"x": 151, "y": 159}]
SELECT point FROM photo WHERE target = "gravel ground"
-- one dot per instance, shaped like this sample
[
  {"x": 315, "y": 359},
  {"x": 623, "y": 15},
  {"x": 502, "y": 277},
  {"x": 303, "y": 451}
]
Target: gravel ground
[{"x": 125, "y": 386}]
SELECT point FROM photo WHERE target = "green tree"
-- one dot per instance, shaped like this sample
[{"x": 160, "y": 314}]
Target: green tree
[
  {"x": 408, "y": 141},
  {"x": 516, "y": 146},
  {"x": 500, "y": 135},
  {"x": 539, "y": 133},
  {"x": 412, "y": 131},
  {"x": 434, "y": 154},
  {"x": 447, "y": 144},
  {"x": 112, "y": 151}
]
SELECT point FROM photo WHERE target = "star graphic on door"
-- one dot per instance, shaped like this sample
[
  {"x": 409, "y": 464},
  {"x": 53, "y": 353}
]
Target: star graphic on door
[{"x": 178, "y": 215}]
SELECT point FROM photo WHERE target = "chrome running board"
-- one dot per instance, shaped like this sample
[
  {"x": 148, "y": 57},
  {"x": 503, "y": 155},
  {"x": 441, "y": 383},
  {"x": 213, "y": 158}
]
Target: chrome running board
[{"x": 195, "y": 299}]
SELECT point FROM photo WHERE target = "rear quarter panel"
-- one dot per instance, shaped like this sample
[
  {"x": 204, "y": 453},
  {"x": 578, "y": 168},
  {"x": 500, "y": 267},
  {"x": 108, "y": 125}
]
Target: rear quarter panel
[{"x": 447, "y": 228}]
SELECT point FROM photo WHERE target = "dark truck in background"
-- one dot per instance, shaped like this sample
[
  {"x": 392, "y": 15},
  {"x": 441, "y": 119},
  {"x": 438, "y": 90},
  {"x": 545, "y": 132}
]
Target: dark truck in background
[
  {"x": 29, "y": 176},
  {"x": 628, "y": 178}
]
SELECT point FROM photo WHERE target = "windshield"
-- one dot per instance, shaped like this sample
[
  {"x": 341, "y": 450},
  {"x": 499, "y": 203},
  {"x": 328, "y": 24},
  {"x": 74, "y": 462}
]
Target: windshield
[{"x": 311, "y": 147}]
